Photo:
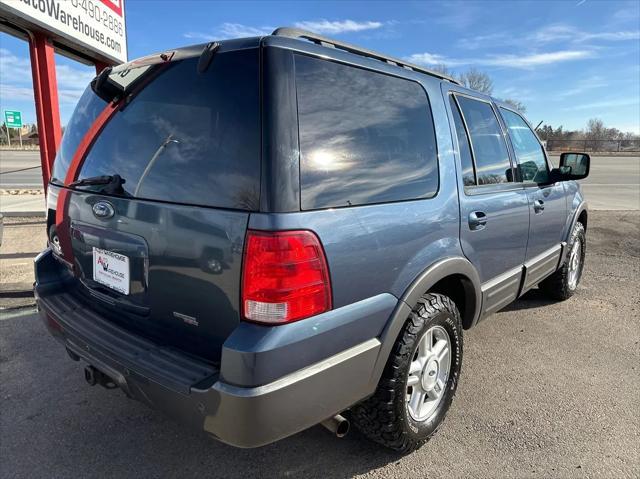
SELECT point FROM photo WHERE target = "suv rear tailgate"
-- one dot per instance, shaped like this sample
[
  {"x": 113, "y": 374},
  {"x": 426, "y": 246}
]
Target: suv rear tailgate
[{"x": 152, "y": 202}]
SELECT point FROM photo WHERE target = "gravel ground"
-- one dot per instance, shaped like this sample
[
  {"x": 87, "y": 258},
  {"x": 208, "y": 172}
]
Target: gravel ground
[
  {"x": 547, "y": 390},
  {"x": 23, "y": 239}
]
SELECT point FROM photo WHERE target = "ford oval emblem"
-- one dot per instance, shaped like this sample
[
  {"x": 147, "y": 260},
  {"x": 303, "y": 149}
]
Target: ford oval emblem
[{"x": 103, "y": 210}]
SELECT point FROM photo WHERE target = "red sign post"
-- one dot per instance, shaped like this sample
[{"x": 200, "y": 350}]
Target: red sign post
[
  {"x": 45, "y": 91},
  {"x": 92, "y": 32}
]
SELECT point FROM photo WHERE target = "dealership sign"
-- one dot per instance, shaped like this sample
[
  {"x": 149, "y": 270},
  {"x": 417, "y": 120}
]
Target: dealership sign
[{"x": 94, "y": 27}]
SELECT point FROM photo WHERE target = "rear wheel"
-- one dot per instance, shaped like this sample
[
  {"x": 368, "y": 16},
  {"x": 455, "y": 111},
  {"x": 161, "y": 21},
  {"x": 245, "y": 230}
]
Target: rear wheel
[
  {"x": 563, "y": 283},
  {"x": 419, "y": 380}
]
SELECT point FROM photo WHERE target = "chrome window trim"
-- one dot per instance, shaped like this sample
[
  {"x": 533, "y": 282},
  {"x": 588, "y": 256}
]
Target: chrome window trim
[{"x": 507, "y": 143}]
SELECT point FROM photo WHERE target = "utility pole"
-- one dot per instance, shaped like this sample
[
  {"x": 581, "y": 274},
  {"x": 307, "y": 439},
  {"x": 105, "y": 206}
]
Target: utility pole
[{"x": 8, "y": 134}]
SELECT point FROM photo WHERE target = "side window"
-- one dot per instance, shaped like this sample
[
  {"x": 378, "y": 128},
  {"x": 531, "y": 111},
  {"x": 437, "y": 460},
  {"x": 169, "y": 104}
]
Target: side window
[
  {"x": 365, "y": 137},
  {"x": 468, "y": 176},
  {"x": 489, "y": 148},
  {"x": 531, "y": 160}
]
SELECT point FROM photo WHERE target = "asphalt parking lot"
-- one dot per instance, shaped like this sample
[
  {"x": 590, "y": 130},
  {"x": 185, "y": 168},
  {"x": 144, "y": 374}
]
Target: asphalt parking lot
[{"x": 547, "y": 389}]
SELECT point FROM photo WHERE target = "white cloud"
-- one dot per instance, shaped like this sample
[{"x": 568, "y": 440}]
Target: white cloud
[
  {"x": 15, "y": 79},
  {"x": 561, "y": 33},
  {"x": 483, "y": 41},
  {"x": 526, "y": 61},
  {"x": 231, "y": 30},
  {"x": 238, "y": 30},
  {"x": 522, "y": 94},
  {"x": 567, "y": 33},
  {"x": 337, "y": 27},
  {"x": 10, "y": 92},
  {"x": 460, "y": 17},
  {"x": 14, "y": 69},
  {"x": 590, "y": 83},
  {"x": 73, "y": 79},
  {"x": 504, "y": 60},
  {"x": 433, "y": 59},
  {"x": 605, "y": 104}
]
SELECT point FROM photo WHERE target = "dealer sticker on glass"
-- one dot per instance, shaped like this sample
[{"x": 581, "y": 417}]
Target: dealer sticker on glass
[{"x": 111, "y": 269}]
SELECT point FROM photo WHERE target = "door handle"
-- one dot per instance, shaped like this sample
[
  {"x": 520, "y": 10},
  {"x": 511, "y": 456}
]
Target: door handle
[
  {"x": 538, "y": 206},
  {"x": 477, "y": 220}
]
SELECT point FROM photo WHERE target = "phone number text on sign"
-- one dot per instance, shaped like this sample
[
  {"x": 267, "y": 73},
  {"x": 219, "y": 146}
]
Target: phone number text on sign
[
  {"x": 94, "y": 9},
  {"x": 94, "y": 27}
]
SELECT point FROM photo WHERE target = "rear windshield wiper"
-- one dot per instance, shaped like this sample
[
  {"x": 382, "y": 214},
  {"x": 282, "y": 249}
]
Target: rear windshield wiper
[{"x": 112, "y": 183}]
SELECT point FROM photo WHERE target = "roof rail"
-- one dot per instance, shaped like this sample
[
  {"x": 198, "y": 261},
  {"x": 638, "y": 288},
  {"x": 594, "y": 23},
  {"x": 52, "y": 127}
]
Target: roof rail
[{"x": 328, "y": 42}]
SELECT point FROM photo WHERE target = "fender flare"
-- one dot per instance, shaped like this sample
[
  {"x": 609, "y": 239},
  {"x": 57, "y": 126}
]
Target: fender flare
[
  {"x": 440, "y": 270},
  {"x": 424, "y": 282},
  {"x": 583, "y": 206}
]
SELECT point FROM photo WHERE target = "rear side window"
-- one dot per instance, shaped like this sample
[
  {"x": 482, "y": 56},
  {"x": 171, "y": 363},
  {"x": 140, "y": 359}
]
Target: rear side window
[
  {"x": 468, "y": 176},
  {"x": 87, "y": 110},
  {"x": 188, "y": 137},
  {"x": 490, "y": 153},
  {"x": 365, "y": 137},
  {"x": 531, "y": 160}
]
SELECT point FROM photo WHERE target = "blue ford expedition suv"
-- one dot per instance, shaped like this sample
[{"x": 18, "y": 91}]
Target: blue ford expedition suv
[{"x": 260, "y": 235}]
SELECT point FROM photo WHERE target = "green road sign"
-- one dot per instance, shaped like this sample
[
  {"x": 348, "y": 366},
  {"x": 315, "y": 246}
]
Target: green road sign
[{"x": 13, "y": 119}]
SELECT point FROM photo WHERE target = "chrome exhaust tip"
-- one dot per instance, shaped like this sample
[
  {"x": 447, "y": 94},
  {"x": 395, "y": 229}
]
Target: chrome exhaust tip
[{"x": 338, "y": 425}]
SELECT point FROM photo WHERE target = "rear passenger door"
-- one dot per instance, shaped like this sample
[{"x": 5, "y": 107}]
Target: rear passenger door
[
  {"x": 494, "y": 210},
  {"x": 547, "y": 201}
]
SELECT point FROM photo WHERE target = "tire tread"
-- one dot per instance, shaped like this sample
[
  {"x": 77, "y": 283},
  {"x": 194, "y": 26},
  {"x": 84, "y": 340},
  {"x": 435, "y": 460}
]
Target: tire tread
[
  {"x": 378, "y": 417},
  {"x": 556, "y": 286}
]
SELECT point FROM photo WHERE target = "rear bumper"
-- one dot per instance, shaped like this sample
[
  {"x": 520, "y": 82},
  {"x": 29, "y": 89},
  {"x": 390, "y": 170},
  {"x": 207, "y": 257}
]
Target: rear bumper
[{"x": 201, "y": 394}]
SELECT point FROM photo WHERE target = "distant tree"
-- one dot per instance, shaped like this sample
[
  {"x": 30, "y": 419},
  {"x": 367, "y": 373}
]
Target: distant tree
[
  {"x": 595, "y": 129},
  {"x": 546, "y": 132},
  {"x": 518, "y": 105},
  {"x": 477, "y": 80},
  {"x": 442, "y": 68}
]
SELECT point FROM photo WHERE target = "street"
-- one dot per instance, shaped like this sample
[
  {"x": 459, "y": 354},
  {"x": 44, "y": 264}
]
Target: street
[
  {"x": 614, "y": 181},
  {"x": 20, "y": 169},
  {"x": 547, "y": 390}
]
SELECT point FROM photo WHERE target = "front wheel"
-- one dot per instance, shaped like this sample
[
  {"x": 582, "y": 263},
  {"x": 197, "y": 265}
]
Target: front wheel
[
  {"x": 563, "y": 283},
  {"x": 419, "y": 380}
]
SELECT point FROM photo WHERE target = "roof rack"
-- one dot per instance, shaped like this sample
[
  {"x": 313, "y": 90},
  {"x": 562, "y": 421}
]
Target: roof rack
[{"x": 328, "y": 42}]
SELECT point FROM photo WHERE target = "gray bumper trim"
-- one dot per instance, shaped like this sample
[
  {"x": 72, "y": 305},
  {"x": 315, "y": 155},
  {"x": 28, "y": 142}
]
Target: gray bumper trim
[{"x": 250, "y": 417}]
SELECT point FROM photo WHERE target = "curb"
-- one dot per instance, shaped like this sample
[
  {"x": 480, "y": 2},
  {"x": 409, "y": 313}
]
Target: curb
[
  {"x": 17, "y": 294},
  {"x": 16, "y": 290},
  {"x": 25, "y": 214},
  {"x": 21, "y": 191}
]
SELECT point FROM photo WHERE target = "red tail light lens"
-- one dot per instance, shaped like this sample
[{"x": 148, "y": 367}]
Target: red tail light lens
[{"x": 285, "y": 277}]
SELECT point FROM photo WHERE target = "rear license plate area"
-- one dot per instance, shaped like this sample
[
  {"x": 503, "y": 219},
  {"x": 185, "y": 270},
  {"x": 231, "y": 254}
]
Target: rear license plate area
[{"x": 112, "y": 270}]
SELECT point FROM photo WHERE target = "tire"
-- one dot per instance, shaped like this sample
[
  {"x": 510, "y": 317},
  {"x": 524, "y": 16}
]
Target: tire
[
  {"x": 386, "y": 417},
  {"x": 563, "y": 284}
]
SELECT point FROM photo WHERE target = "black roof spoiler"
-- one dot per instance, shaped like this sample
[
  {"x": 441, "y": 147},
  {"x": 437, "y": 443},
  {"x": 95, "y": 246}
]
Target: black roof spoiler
[{"x": 328, "y": 42}]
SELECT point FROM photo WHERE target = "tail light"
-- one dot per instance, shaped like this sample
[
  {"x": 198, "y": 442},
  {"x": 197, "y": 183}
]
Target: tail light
[{"x": 285, "y": 277}]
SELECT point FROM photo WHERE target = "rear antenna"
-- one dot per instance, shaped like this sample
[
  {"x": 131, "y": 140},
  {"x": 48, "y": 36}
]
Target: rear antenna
[
  {"x": 536, "y": 128},
  {"x": 207, "y": 55}
]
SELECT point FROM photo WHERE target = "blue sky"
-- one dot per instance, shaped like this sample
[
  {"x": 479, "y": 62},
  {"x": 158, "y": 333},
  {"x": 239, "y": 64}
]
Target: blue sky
[{"x": 567, "y": 61}]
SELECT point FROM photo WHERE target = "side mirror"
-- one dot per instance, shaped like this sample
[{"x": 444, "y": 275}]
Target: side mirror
[{"x": 577, "y": 165}]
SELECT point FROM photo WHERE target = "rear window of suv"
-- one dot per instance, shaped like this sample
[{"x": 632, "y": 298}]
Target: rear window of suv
[
  {"x": 187, "y": 137},
  {"x": 365, "y": 137}
]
